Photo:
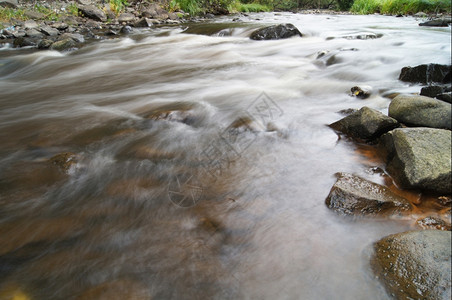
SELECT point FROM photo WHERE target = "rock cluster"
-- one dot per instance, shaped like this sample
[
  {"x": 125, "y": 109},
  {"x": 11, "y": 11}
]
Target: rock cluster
[{"x": 415, "y": 142}]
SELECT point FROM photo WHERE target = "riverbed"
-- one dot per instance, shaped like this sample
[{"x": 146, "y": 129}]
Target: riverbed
[{"x": 200, "y": 160}]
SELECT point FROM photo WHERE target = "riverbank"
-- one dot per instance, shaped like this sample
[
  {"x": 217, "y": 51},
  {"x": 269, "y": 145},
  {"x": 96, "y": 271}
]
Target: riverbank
[{"x": 66, "y": 25}]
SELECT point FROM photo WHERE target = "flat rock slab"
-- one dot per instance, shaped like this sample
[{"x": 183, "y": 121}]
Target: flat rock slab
[
  {"x": 415, "y": 264},
  {"x": 365, "y": 124},
  {"x": 419, "y": 158},
  {"x": 93, "y": 13},
  {"x": 353, "y": 195},
  {"x": 275, "y": 32},
  {"x": 421, "y": 111}
]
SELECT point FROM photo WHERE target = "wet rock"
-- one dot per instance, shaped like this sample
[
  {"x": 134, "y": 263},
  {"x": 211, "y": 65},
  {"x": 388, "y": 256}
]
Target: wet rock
[
  {"x": 435, "y": 23},
  {"x": 174, "y": 112},
  {"x": 24, "y": 42},
  {"x": 44, "y": 44},
  {"x": 126, "y": 29},
  {"x": 64, "y": 160},
  {"x": 275, "y": 32},
  {"x": 432, "y": 90},
  {"x": 426, "y": 74},
  {"x": 353, "y": 195},
  {"x": 76, "y": 37},
  {"x": 47, "y": 30},
  {"x": 144, "y": 22},
  {"x": 365, "y": 124},
  {"x": 126, "y": 18},
  {"x": 415, "y": 264},
  {"x": 421, "y": 111},
  {"x": 363, "y": 36},
  {"x": 361, "y": 92},
  {"x": 433, "y": 223},
  {"x": 419, "y": 158},
  {"x": 93, "y": 12},
  {"x": 446, "y": 97},
  {"x": 65, "y": 44}
]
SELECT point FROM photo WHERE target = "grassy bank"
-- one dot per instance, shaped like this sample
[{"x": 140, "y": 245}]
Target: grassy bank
[{"x": 401, "y": 6}]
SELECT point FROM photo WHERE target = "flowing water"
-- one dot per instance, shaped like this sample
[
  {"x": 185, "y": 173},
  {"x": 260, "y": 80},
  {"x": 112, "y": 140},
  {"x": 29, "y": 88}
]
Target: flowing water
[{"x": 194, "y": 162}]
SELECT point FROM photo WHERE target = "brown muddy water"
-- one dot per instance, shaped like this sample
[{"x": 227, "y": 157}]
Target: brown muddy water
[{"x": 196, "y": 166}]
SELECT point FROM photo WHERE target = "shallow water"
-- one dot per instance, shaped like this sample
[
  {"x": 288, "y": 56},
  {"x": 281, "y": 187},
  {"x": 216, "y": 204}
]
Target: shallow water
[{"x": 189, "y": 205}]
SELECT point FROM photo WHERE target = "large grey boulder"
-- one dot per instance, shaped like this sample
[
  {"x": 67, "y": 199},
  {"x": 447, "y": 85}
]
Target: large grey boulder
[
  {"x": 419, "y": 158},
  {"x": 365, "y": 124},
  {"x": 421, "y": 111},
  {"x": 415, "y": 264},
  {"x": 93, "y": 13},
  {"x": 275, "y": 32},
  {"x": 353, "y": 195},
  {"x": 426, "y": 73}
]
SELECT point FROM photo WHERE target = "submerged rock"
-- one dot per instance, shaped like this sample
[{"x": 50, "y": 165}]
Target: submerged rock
[
  {"x": 365, "y": 124},
  {"x": 64, "y": 160},
  {"x": 419, "y": 158},
  {"x": 415, "y": 264},
  {"x": 353, "y": 195},
  {"x": 433, "y": 223},
  {"x": 426, "y": 74},
  {"x": 275, "y": 32},
  {"x": 421, "y": 111},
  {"x": 361, "y": 92}
]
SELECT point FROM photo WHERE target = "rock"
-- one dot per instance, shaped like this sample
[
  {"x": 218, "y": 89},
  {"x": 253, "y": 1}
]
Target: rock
[
  {"x": 34, "y": 33},
  {"x": 421, "y": 111},
  {"x": 144, "y": 22},
  {"x": 77, "y": 37},
  {"x": 426, "y": 74},
  {"x": 64, "y": 160},
  {"x": 361, "y": 92},
  {"x": 446, "y": 97},
  {"x": 126, "y": 18},
  {"x": 24, "y": 42},
  {"x": 60, "y": 26},
  {"x": 65, "y": 44},
  {"x": 353, "y": 195},
  {"x": 30, "y": 24},
  {"x": 275, "y": 32},
  {"x": 433, "y": 223},
  {"x": 174, "y": 112},
  {"x": 9, "y": 3},
  {"x": 435, "y": 23},
  {"x": 365, "y": 124},
  {"x": 419, "y": 158},
  {"x": 421, "y": 14},
  {"x": 126, "y": 30},
  {"x": 432, "y": 90},
  {"x": 47, "y": 30},
  {"x": 34, "y": 15},
  {"x": 93, "y": 12},
  {"x": 44, "y": 44},
  {"x": 414, "y": 264}
]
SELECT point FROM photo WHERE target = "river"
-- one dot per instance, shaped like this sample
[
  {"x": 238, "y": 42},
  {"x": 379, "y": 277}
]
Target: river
[{"x": 201, "y": 160}]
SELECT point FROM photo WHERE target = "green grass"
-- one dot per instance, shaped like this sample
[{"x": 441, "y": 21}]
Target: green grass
[
  {"x": 401, "y": 6},
  {"x": 252, "y": 7},
  {"x": 6, "y": 14},
  {"x": 189, "y": 6}
]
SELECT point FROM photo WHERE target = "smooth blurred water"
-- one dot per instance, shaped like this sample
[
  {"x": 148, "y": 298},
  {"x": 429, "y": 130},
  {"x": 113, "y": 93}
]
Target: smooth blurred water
[{"x": 251, "y": 221}]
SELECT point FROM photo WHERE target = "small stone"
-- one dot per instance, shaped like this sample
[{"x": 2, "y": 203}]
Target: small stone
[
  {"x": 64, "y": 160},
  {"x": 361, "y": 92},
  {"x": 126, "y": 18},
  {"x": 126, "y": 29},
  {"x": 144, "y": 22}
]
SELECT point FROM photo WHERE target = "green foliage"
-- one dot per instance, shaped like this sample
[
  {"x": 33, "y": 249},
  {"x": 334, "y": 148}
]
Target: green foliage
[
  {"x": 189, "y": 6},
  {"x": 50, "y": 14},
  {"x": 118, "y": 5},
  {"x": 252, "y": 7},
  {"x": 7, "y": 14},
  {"x": 72, "y": 9},
  {"x": 344, "y": 4},
  {"x": 400, "y": 6}
]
